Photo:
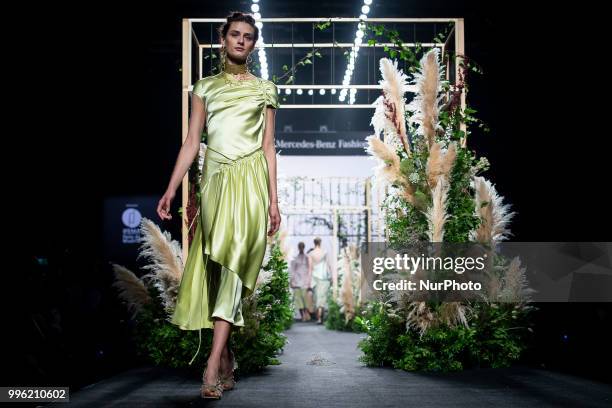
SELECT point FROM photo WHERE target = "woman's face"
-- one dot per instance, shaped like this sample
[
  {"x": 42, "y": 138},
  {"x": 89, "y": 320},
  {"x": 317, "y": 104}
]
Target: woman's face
[{"x": 239, "y": 40}]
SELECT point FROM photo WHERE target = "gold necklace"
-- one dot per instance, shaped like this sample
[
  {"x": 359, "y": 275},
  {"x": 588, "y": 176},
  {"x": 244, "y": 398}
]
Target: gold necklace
[
  {"x": 239, "y": 78},
  {"x": 235, "y": 68}
]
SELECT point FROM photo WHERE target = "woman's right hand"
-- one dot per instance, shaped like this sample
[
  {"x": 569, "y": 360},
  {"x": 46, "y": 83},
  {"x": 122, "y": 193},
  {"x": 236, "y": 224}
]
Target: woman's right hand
[{"x": 163, "y": 208}]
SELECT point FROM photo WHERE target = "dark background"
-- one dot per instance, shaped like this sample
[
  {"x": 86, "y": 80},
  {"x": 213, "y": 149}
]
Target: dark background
[{"x": 98, "y": 114}]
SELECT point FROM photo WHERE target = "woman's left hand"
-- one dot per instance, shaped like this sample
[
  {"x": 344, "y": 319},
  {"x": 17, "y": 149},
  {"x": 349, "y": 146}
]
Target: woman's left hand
[{"x": 275, "y": 219}]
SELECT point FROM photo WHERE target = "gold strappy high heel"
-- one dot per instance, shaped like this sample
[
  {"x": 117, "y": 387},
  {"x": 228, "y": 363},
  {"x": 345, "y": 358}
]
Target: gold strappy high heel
[
  {"x": 227, "y": 381},
  {"x": 213, "y": 391}
]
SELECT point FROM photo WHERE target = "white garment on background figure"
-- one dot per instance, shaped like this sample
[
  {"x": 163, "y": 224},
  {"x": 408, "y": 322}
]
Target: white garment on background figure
[
  {"x": 320, "y": 270},
  {"x": 321, "y": 277}
]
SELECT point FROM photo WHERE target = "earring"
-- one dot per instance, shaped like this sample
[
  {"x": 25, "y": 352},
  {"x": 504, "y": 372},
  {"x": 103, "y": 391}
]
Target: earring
[
  {"x": 222, "y": 58},
  {"x": 248, "y": 62}
]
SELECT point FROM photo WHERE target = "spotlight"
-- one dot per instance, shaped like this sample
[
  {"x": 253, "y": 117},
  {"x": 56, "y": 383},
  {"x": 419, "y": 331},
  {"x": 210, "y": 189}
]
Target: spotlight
[
  {"x": 257, "y": 16},
  {"x": 363, "y": 17},
  {"x": 359, "y": 34},
  {"x": 310, "y": 92},
  {"x": 288, "y": 91},
  {"x": 365, "y": 9},
  {"x": 299, "y": 91},
  {"x": 342, "y": 98},
  {"x": 259, "y": 25},
  {"x": 368, "y": 2},
  {"x": 321, "y": 91},
  {"x": 333, "y": 91},
  {"x": 255, "y": 8}
]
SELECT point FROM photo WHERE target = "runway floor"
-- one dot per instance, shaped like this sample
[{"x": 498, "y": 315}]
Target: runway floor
[{"x": 320, "y": 369}]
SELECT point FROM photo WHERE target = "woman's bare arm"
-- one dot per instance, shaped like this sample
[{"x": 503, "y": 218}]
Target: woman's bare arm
[
  {"x": 191, "y": 146},
  {"x": 309, "y": 270},
  {"x": 270, "y": 152},
  {"x": 186, "y": 156}
]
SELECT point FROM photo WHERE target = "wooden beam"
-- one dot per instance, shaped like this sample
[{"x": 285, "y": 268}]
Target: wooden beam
[
  {"x": 186, "y": 82},
  {"x": 334, "y": 20},
  {"x": 460, "y": 53},
  {"x": 329, "y": 45}
]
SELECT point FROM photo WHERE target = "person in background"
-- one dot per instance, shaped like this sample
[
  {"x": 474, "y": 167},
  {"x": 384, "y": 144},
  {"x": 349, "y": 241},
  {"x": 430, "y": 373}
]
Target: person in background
[
  {"x": 299, "y": 281},
  {"x": 320, "y": 276}
]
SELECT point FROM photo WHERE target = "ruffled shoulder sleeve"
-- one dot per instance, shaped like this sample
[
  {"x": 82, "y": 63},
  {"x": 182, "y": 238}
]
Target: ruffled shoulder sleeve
[{"x": 271, "y": 94}]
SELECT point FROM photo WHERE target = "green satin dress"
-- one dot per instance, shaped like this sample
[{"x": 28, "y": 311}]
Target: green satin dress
[{"x": 228, "y": 247}]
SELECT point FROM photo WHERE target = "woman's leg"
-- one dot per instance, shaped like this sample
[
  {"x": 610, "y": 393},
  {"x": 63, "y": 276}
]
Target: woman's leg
[
  {"x": 227, "y": 313},
  {"x": 226, "y": 366},
  {"x": 220, "y": 337}
]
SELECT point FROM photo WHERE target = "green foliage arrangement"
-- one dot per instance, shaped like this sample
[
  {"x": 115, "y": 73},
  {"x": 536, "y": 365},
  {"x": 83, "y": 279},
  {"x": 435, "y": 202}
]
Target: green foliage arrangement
[
  {"x": 267, "y": 313},
  {"x": 336, "y": 320},
  {"x": 496, "y": 337},
  {"x": 438, "y": 195}
]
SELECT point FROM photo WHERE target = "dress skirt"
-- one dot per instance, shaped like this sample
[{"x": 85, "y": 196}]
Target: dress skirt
[
  {"x": 229, "y": 243},
  {"x": 321, "y": 289},
  {"x": 207, "y": 289}
]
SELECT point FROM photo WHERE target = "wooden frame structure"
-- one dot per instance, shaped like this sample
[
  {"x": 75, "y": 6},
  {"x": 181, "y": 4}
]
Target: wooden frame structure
[{"x": 188, "y": 38}]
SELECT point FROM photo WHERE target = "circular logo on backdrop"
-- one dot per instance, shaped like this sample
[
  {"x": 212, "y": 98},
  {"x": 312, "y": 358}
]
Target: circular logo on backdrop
[{"x": 131, "y": 217}]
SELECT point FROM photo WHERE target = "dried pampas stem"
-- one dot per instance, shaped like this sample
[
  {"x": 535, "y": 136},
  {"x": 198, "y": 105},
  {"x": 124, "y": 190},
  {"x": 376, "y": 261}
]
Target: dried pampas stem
[
  {"x": 390, "y": 107},
  {"x": 426, "y": 104},
  {"x": 436, "y": 214},
  {"x": 494, "y": 215},
  {"x": 440, "y": 163},
  {"x": 131, "y": 289},
  {"x": 389, "y": 162},
  {"x": 166, "y": 261},
  {"x": 346, "y": 293}
]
